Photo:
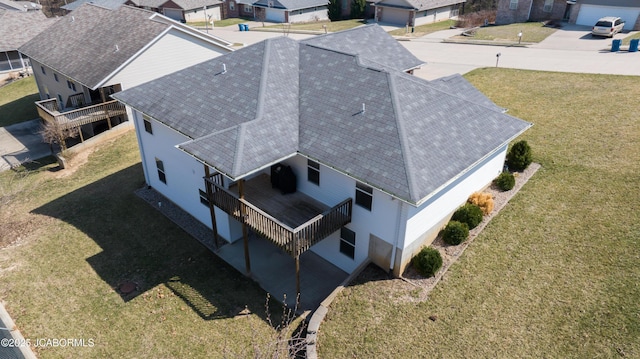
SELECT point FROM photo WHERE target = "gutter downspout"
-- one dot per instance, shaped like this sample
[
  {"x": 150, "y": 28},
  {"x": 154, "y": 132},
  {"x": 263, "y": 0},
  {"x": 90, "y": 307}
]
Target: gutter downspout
[
  {"x": 392, "y": 262},
  {"x": 530, "y": 7}
]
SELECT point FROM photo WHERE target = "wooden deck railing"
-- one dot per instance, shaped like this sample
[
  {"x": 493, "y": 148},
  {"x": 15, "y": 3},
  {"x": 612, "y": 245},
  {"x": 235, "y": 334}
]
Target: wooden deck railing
[
  {"x": 294, "y": 241},
  {"x": 48, "y": 110}
]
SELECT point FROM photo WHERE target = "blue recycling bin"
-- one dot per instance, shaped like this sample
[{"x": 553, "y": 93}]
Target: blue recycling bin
[
  {"x": 615, "y": 46},
  {"x": 240, "y": 27},
  {"x": 633, "y": 45},
  {"x": 245, "y": 27}
]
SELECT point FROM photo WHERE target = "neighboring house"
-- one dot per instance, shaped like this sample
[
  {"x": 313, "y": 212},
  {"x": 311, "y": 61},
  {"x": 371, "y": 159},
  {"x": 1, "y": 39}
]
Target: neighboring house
[
  {"x": 580, "y": 12},
  {"x": 109, "y": 4},
  {"x": 291, "y": 10},
  {"x": 94, "y": 52},
  {"x": 416, "y": 12},
  {"x": 238, "y": 8},
  {"x": 18, "y": 27},
  {"x": 193, "y": 10},
  {"x": 378, "y": 158},
  {"x": 183, "y": 10},
  {"x": 26, "y": 6}
]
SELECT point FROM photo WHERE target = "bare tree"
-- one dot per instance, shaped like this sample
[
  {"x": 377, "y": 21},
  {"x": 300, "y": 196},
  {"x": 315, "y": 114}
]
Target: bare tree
[{"x": 52, "y": 133}]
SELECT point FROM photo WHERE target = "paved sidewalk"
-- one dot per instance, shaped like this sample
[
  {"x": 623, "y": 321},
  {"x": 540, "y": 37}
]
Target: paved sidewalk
[{"x": 21, "y": 143}]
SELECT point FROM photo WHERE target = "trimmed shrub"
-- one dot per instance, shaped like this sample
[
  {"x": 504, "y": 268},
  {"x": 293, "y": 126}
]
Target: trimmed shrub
[
  {"x": 455, "y": 233},
  {"x": 470, "y": 214},
  {"x": 427, "y": 262},
  {"x": 519, "y": 156},
  {"x": 505, "y": 181},
  {"x": 482, "y": 200}
]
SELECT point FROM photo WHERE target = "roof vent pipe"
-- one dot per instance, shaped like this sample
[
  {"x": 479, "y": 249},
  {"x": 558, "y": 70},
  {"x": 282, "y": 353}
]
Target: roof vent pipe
[
  {"x": 224, "y": 68},
  {"x": 362, "y": 108},
  {"x": 117, "y": 48}
]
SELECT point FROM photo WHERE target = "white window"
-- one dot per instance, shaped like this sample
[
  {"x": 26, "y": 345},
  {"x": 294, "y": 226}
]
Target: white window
[
  {"x": 204, "y": 198},
  {"x": 248, "y": 8},
  {"x": 313, "y": 172},
  {"x": 232, "y": 5},
  {"x": 161, "y": 175},
  {"x": 513, "y": 4},
  {"x": 548, "y": 5},
  {"x": 364, "y": 196},
  {"x": 348, "y": 242},
  {"x": 147, "y": 124}
]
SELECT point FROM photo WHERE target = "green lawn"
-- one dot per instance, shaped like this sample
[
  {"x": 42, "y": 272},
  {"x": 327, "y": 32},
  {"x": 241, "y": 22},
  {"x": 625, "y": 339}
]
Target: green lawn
[
  {"x": 628, "y": 39},
  {"x": 70, "y": 241},
  {"x": 422, "y": 30},
  {"x": 332, "y": 26},
  {"x": 531, "y": 32},
  {"x": 555, "y": 274},
  {"x": 17, "y": 101},
  {"x": 219, "y": 23}
]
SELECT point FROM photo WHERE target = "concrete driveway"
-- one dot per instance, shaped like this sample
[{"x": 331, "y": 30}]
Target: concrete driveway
[
  {"x": 21, "y": 143},
  {"x": 577, "y": 38}
]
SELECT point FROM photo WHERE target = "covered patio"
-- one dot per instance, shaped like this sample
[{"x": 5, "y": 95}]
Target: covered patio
[{"x": 275, "y": 271}]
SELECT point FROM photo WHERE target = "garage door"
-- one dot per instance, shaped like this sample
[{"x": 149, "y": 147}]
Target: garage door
[
  {"x": 394, "y": 16},
  {"x": 173, "y": 14},
  {"x": 589, "y": 14},
  {"x": 274, "y": 15}
]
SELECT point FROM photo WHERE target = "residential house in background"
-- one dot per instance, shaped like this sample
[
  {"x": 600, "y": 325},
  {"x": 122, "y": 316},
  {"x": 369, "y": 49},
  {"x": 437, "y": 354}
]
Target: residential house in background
[
  {"x": 18, "y": 27},
  {"x": 94, "y": 52},
  {"x": 109, "y": 4},
  {"x": 416, "y": 12},
  {"x": 326, "y": 145},
  {"x": 290, "y": 10},
  {"x": 580, "y": 12},
  {"x": 183, "y": 10}
]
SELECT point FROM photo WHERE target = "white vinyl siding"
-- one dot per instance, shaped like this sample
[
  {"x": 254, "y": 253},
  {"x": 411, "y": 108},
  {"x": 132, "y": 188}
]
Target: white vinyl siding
[
  {"x": 174, "y": 51},
  {"x": 274, "y": 15},
  {"x": 186, "y": 172},
  {"x": 308, "y": 15}
]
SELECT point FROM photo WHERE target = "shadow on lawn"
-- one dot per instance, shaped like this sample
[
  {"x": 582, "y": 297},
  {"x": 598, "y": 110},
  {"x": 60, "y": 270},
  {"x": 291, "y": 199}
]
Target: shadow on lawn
[{"x": 141, "y": 246}]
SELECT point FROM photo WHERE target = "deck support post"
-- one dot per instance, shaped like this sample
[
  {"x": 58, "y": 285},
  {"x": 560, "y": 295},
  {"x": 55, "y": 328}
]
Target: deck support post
[
  {"x": 212, "y": 210},
  {"x": 298, "y": 277},
  {"x": 245, "y": 234},
  {"x": 106, "y": 110}
]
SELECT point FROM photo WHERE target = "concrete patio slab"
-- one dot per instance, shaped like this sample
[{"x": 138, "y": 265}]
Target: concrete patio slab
[
  {"x": 275, "y": 271},
  {"x": 20, "y": 143}
]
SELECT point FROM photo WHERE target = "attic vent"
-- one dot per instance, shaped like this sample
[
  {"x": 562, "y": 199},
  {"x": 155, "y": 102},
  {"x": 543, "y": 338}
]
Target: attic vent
[{"x": 117, "y": 48}]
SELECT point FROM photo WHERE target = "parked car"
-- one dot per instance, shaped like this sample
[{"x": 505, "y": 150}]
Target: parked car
[{"x": 607, "y": 26}]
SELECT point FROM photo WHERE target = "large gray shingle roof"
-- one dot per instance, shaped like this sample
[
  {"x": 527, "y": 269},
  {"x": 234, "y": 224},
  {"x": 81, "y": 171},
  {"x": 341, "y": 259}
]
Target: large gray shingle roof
[
  {"x": 18, "y": 27},
  {"x": 282, "y": 97},
  {"x": 373, "y": 45},
  {"x": 82, "y": 45}
]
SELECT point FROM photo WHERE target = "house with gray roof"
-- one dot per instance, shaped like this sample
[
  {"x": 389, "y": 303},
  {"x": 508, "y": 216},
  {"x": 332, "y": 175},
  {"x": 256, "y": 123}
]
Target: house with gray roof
[
  {"x": 18, "y": 27},
  {"x": 580, "y": 12},
  {"x": 291, "y": 10},
  {"x": 96, "y": 51},
  {"x": 416, "y": 12},
  {"x": 337, "y": 151},
  {"x": 183, "y": 10},
  {"x": 109, "y": 4}
]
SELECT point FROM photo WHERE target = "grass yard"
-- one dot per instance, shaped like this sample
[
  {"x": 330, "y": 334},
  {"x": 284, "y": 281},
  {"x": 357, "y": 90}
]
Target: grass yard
[
  {"x": 67, "y": 242},
  {"x": 628, "y": 39},
  {"x": 332, "y": 26},
  {"x": 17, "y": 101},
  {"x": 555, "y": 274},
  {"x": 422, "y": 30},
  {"x": 531, "y": 32},
  {"x": 220, "y": 23}
]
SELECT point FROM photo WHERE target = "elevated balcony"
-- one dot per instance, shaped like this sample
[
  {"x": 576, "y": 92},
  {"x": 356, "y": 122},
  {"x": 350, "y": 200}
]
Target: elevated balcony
[
  {"x": 294, "y": 222},
  {"x": 48, "y": 110}
]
